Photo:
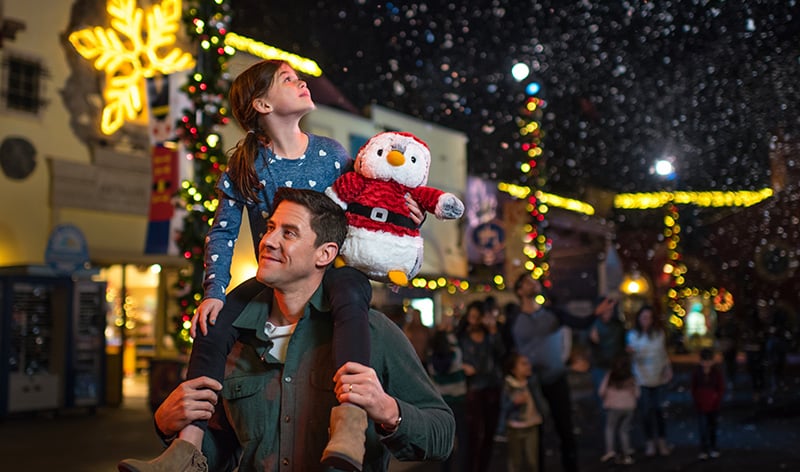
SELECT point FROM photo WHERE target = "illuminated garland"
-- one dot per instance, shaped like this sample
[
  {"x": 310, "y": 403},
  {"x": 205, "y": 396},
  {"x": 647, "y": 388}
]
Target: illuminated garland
[
  {"x": 454, "y": 285},
  {"x": 553, "y": 200},
  {"x": 537, "y": 244},
  {"x": 674, "y": 266},
  {"x": 207, "y": 88},
  {"x": 265, "y": 51},
  {"x": 648, "y": 201},
  {"x": 722, "y": 301}
]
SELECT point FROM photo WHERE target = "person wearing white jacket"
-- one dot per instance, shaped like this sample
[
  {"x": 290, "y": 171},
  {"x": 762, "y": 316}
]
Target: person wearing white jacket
[{"x": 652, "y": 368}]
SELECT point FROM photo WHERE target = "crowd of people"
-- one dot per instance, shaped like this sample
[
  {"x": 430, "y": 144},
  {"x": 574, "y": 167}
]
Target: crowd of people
[{"x": 504, "y": 375}]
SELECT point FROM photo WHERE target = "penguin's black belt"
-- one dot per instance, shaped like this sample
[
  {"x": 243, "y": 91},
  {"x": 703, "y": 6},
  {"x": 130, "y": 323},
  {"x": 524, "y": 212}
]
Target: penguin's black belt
[{"x": 381, "y": 215}]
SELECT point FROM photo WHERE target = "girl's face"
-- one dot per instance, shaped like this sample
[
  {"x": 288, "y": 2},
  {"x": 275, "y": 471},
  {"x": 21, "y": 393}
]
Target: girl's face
[
  {"x": 646, "y": 319},
  {"x": 522, "y": 368},
  {"x": 288, "y": 95}
]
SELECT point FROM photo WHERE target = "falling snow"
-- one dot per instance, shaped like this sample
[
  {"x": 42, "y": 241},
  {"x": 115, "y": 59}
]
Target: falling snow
[{"x": 626, "y": 82}]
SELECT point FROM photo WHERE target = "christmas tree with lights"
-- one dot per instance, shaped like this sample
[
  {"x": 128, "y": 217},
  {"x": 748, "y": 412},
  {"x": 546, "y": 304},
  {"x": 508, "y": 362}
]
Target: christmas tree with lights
[
  {"x": 207, "y": 23},
  {"x": 537, "y": 244}
]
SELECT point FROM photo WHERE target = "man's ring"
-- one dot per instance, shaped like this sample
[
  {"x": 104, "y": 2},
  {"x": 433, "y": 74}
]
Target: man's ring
[{"x": 350, "y": 389}]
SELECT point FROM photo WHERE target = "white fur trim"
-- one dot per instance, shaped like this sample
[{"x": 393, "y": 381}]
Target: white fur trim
[{"x": 330, "y": 192}]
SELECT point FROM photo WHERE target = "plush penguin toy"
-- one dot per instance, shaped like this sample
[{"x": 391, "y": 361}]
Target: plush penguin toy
[{"x": 382, "y": 240}]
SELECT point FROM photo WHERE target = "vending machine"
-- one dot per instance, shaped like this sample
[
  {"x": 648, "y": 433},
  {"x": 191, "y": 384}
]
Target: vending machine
[
  {"x": 85, "y": 360},
  {"x": 52, "y": 344}
]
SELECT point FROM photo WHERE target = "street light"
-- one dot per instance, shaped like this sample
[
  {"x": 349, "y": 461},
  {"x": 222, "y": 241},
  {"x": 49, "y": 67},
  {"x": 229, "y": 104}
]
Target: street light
[
  {"x": 665, "y": 169},
  {"x": 520, "y": 71}
]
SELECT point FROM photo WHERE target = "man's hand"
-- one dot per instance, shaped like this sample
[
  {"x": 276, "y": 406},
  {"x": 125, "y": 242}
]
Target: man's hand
[
  {"x": 359, "y": 385},
  {"x": 605, "y": 307},
  {"x": 192, "y": 400},
  {"x": 206, "y": 313}
]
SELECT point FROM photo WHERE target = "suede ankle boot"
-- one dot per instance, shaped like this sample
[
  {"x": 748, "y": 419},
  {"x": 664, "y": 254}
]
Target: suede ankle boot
[
  {"x": 345, "y": 449},
  {"x": 180, "y": 456}
]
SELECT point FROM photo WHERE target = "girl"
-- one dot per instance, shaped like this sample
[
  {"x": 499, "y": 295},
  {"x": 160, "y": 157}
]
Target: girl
[
  {"x": 521, "y": 417},
  {"x": 619, "y": 393},
  {"x": 268, "y": 100},
  {"x": 653, "y": 371}
]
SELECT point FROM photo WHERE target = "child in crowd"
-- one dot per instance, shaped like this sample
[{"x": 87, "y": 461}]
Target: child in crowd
[
  {"x": 708, "y": 387},
  {"x": 268, "y": 100},
  {"x": 619, "y": 393},
  {"x": 521, "y": 416}
]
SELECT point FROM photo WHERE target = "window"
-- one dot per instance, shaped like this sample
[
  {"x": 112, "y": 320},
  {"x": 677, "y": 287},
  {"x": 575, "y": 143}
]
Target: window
[{"x": 23, "y": 84}]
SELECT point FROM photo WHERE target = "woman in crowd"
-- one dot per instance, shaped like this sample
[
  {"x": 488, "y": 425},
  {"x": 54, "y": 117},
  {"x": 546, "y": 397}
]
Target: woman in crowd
[
  {"x": 483, "y": 350},
  {"x": 651, "y": 365}
]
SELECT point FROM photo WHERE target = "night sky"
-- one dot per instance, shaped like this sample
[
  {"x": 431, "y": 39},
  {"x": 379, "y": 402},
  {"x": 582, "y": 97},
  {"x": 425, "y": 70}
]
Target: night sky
[{"x": 626, "y": 82}]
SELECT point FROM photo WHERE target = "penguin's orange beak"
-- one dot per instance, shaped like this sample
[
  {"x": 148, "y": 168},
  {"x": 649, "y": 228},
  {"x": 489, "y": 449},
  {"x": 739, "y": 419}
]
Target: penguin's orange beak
[{"x": 396, "y": 158}]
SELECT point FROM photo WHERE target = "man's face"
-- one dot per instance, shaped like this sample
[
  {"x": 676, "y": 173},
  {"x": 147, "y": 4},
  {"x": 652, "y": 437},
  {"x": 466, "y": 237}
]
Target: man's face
[
  {"x": 529, "y": 288},
  {"x": 287, "y": 252}
]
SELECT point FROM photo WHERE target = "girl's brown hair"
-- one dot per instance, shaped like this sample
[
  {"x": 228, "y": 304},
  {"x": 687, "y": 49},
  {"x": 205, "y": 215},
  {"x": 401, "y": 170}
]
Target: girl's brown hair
[
  {"x": 252, "y": 83},
  {"x": 620, "y": 375}
]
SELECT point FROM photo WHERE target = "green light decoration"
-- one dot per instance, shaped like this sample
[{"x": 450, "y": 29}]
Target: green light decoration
[
  {"x": 207, "y": 24},
  {"x": 537, "y": 244}
]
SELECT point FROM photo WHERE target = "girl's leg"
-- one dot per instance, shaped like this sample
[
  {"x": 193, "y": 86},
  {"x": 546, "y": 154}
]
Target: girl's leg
[
  {"x": 349, "y": 293},
  {"x": 532, "y": 448},
  {"x": 207, "y": 359},
  {"x": 611, "y": 424},
  {"x": 625, "y": 432},
  {"x": 210, "y": 352},
  {"x": 515, "y": 449}
]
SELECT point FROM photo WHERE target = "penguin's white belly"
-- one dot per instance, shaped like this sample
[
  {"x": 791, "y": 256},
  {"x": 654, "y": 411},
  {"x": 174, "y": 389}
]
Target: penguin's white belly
[{"x": 377, "y": 252}]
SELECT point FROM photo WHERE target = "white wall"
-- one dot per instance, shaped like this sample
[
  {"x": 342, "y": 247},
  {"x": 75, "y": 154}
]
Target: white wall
[{"x": 25, "y": 220}]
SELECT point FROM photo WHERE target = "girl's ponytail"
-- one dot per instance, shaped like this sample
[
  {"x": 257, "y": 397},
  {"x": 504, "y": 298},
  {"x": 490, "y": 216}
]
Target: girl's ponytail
[{"x": 241, "y": 165}]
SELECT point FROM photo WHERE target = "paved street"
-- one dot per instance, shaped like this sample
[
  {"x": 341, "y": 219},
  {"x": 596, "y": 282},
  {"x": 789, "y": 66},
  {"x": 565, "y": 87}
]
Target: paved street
[
  {"x": 752, "y": 438},
  {"x": 762, "y": 439}
]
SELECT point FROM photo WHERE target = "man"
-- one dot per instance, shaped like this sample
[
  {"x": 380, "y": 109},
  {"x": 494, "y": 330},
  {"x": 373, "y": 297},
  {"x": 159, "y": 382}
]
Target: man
[
  {"x": 280, "y": 386},
  {"x": 537, "y": 335}
]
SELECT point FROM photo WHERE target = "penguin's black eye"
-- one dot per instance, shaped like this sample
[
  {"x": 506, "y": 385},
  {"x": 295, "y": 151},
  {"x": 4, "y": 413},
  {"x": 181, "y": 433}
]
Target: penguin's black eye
[
  {"x": 380, "y": 152},
  {"x": 413, "y": 159}
]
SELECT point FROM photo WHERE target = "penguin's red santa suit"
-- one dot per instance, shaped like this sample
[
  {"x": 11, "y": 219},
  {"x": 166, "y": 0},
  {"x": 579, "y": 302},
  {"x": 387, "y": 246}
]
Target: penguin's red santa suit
[{"x": 382, "y": 240}]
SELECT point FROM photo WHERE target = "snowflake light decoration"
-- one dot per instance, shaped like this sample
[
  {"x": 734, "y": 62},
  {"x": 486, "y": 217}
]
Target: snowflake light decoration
[{"x": 128, "y": 61}]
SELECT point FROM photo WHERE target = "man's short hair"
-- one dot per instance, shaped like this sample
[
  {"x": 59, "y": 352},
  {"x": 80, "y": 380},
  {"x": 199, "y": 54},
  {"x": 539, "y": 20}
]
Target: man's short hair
[
  {"x": 520, "y": 279},
  {"x": 328, "y": 220}
]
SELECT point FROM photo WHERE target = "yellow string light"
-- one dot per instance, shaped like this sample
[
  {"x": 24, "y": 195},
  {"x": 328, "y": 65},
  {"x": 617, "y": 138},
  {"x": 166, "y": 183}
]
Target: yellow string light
[{"x": 264, "y": 51}]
